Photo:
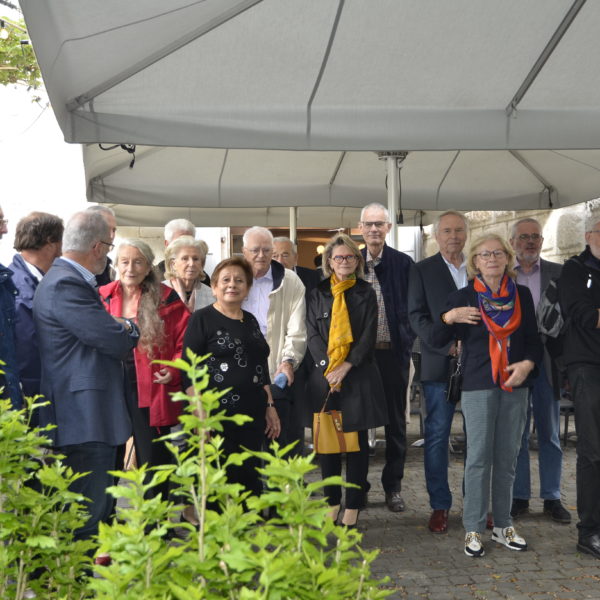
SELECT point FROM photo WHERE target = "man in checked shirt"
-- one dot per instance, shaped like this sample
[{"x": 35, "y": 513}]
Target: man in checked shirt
[{"x": 387, "y": 270}]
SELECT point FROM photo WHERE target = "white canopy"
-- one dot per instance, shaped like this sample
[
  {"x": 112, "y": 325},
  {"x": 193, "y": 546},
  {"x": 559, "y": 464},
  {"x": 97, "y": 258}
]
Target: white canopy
[{"x": 349, "y": 76}]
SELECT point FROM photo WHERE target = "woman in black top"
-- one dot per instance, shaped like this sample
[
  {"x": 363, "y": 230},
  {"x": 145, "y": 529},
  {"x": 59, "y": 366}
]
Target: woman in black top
[{"x": 238, "y": 361}]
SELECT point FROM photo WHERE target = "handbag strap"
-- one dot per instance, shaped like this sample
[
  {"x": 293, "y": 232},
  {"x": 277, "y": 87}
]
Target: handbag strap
[
  {"x": 336, "y": 417},
  {"x": 325, "y": 403}
]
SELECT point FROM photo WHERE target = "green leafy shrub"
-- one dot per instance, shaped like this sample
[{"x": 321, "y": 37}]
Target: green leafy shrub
[{"x": 234, "y": 553}]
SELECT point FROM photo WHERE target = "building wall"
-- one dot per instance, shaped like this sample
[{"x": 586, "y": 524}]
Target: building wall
[{"x": 563, "y": 228}]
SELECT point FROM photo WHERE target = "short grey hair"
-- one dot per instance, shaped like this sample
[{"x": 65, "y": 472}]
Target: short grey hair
[
  {"x": 515, "y": 226},
  {"x": 449, "y": 213},
  {"x": 283, "y": 240},
  {"x": 377, "y": 206},
  {"x": 83, "y": 230},
  {"x": 107, "y": 210},
  {"x": 257, "y": 229},
  {"x": 172, "y": 227},
  {"x": 590, "y": 222}
]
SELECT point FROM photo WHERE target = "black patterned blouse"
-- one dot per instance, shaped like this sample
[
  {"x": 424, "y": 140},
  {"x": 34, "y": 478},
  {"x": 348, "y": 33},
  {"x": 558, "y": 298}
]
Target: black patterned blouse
[{"x": 238, "y": 358}]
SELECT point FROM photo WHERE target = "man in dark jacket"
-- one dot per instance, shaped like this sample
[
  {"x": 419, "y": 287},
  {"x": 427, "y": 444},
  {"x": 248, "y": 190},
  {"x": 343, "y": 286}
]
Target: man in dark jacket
[
  {"x": 9, "y": 378},
  {"x": 38, "y": 240},
  {"x": 431, "y": 281},
  {"x": 388, "y": 270},
  {"x": 579, "y": 294},
  {"x": 532, "y": 271}
]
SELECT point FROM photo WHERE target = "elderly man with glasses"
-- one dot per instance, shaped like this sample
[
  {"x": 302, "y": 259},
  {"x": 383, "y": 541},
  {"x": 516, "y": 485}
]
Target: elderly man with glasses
[
  {"x": 532, "y": 271},
  {"x": 388, "y": 270},
  {"x": 276, "y": 299}
]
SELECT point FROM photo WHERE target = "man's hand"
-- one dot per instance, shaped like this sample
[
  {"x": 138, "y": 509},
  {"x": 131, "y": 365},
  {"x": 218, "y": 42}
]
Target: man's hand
[{"x": 286, "y": 368}]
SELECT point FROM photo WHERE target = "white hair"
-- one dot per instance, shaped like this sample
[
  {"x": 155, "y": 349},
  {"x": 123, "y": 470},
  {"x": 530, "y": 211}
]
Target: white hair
[
  {"x": 107, "y": 210},
  {"x": 172, "y": 227},
  {"x": 257, "y": 229},
  {"x": 449, "y": 213},
  {"x": 282, "y": 239},
  {"x": 590, "y": 222},
  {"x": 375, "y": 206},
  {"x": 83, "y": 230}
]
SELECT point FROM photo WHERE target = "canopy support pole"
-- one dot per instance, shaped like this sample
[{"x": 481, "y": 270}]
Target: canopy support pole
[
  {"x": 549, "y": 189},
  {"x": 394, "y": 162},
  {"x": 294, "y": 224}
]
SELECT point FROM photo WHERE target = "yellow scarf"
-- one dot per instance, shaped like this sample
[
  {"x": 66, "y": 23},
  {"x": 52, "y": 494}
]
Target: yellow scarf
[{"x": 340, "y": 332}]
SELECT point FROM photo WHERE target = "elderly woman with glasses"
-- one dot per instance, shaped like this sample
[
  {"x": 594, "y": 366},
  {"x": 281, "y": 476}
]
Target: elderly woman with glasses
[
  {"x": 494, "y": 319},
  {"x": 342, "y": 330},
  {"x": 184, "y": 271}
]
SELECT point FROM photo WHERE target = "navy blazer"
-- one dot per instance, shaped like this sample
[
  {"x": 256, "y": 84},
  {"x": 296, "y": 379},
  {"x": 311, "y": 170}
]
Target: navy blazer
[
  {"x": 82, "y": 348},
  {"x": 525, "y": 342},
  {"x": 430, "y": 284},
  {"x": 392, "y": 273},
  {"x": 28, "y": 354}
]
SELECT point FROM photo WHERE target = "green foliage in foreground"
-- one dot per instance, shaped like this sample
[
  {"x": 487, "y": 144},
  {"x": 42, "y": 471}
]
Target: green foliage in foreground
[{"x": 234, "y": 553}]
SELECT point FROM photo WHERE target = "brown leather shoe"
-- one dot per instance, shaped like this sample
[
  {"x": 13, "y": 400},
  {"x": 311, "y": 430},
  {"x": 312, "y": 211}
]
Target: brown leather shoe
[
  {"x": 438, "y": 522},
  {"x": 394, "y": 502},
  {"x": 103, "y": 560}
]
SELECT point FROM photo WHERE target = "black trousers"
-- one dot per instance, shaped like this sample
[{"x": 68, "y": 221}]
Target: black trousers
[
  {"x": 357, "y": 469},
  {"x": 395, "y": 381},
  {"x": 585, "y": 391}
]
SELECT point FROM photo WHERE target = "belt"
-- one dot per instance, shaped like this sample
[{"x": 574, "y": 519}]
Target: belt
[{"x": 383, "y": 346}]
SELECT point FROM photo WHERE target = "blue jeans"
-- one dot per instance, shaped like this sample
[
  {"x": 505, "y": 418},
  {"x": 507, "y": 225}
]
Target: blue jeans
[
  {"x": 438, "y": 423},
  {"x": 546, "y": 415},
  {"x": 94, "y": 458},
  {"x": 494, "y": 420}
]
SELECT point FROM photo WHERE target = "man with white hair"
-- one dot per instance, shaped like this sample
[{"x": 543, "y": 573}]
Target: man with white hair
[
  {"x": 387, "y": 270},
  {"x": 276, "y": 299},
  {"x": 579, "y": 294},
  {"x": 431, "y": 281},
  {"x": 81, "y": 349},
  {"x": 535, "y": 273},
  {"x": 174, "y": 229}
]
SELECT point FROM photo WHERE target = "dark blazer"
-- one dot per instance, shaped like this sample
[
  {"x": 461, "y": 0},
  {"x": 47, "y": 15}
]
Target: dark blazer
[
  {"x": 361, "y": 398},
  {"x": 392, "y": 273},
  {"x": 28, "y": 354},
  {"x": 525, "y": 342},
  {"x": 309, "y": 277},
  {"x": 430, "y": 284},
  {"x": 82, "y": 348}
]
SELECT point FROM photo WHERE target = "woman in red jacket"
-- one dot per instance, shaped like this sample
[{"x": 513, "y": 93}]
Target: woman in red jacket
[{"x": 162, "y": 319}]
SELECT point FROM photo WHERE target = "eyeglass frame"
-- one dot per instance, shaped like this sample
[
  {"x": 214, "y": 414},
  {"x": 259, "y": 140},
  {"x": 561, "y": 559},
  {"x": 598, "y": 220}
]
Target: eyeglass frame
[
  {"x": 110, "y": 246},
  {"x": 257, "y": 251},
  {"x": 376, "y": 224},
  {"x": 344, "y": 258},
  {"x": 526, "y": 237},
  {"x": 490, "y": 253}
]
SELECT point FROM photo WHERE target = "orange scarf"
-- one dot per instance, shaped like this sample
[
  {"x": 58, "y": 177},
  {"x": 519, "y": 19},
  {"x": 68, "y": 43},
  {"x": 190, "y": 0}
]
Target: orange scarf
[
  {"x": 340, "y": 332},
  {"x": 501, "y": 314}
]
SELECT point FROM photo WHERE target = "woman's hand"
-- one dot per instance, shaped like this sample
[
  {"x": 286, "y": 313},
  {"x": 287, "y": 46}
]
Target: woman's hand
[
  {"x": 336, "y": 376},
  {"x": 163, "y": 376},
  {"x": 519, "y": 372},
  {"x": 462, "y": 314},
  {"x": 273, "y": 428}
]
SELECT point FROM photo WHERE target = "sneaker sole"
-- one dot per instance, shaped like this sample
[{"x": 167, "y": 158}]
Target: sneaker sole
[
  {"x": 494, "y": 539},
  {"x": 472, "y": 555}
]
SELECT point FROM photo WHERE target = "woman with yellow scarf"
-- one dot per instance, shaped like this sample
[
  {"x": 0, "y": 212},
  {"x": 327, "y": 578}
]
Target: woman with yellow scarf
[{"x": 342, "y": 329}]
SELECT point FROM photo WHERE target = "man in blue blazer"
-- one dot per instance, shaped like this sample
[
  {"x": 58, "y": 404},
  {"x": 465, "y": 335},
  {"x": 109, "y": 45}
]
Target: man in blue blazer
[
  {"x": 387, "y": 270},
  {"x": 431, "y": 280},
  {"x": 82, "y": 348}
]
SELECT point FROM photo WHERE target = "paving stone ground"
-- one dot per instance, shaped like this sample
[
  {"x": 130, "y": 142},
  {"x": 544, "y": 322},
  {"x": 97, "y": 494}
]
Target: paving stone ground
[{"x": 421, "y": 565}]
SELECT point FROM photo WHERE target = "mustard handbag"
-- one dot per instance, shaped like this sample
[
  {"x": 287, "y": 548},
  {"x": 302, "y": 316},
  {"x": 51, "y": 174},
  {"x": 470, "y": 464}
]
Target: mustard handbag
[{"x": 328, "y": 433}]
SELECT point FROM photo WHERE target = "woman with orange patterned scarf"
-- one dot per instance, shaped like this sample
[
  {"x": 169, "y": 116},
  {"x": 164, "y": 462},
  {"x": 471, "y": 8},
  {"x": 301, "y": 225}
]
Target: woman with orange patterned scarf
[
  {"x": 342, "y": 329},
  {"x": 494, "y": 319}
]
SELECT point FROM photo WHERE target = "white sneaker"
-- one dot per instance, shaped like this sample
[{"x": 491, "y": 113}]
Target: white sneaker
[
  {"x": 473, "y": 545},
  {"x": 509, "y": 538}
]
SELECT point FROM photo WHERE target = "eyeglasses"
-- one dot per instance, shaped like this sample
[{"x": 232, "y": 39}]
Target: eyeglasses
[
  {"x": 485, "y": 255},
  {"x": 110, "y": 246},
  {"x": 369, "y": 224},
  {"x": 257, "y": 251},
  {"x": 591, "y": 231},
  {"x": 339, "y": 259},
  {"x": 526, "y": 237}
]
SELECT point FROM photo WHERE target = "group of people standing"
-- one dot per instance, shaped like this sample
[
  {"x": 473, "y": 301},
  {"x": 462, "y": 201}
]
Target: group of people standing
[{"x": 282, "y": 339}]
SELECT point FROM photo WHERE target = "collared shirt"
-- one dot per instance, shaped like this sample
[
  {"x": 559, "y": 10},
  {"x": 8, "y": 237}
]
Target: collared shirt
[
  {"x": 459, "y": 274},
  {"x": 257, "y": 301},
  {"x": 532, "y": 279},
  {"x": 87, "y": 275},
  {"x": 383, "y": 329},
  {"x": 33, "y": 270}
]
